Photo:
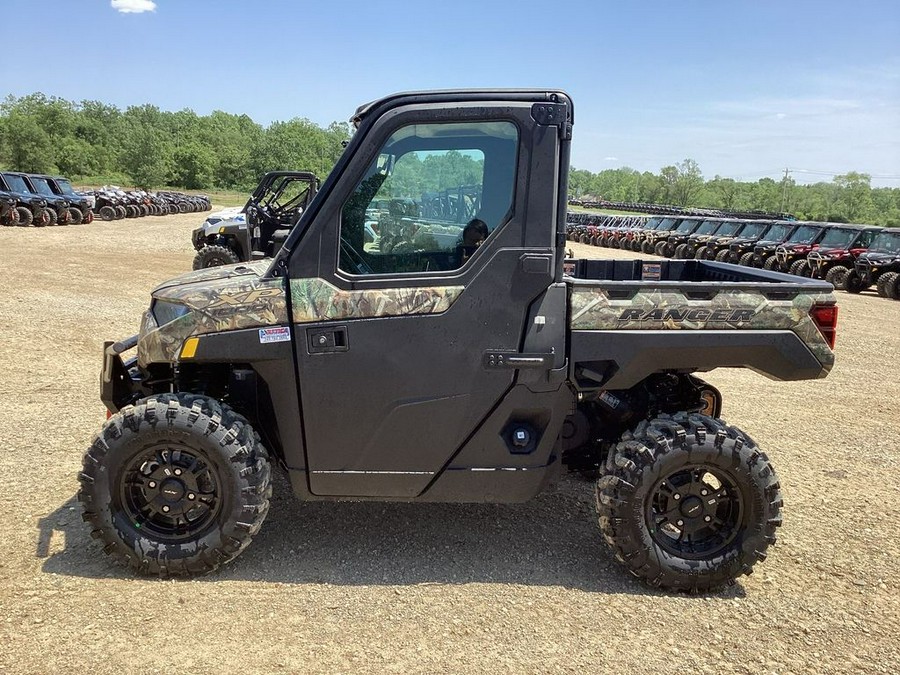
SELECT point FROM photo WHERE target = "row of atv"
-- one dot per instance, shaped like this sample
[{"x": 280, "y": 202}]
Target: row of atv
[
  {"x": 853, "y": 258},
  {"x": 113, "y": 203},
  {"x": 40, "y": 200}
]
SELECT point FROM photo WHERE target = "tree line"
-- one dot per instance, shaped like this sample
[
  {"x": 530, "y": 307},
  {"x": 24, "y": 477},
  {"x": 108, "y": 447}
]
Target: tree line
[
  {"x": 150, "y": 148},
  {"x": 848, "y": 198}
]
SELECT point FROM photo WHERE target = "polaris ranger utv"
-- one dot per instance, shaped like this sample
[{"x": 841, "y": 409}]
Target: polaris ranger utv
[
  {"x": 879, "y": 266},
  {"x": 260, "y": 228},
  {"x": 449, "y": 369}
]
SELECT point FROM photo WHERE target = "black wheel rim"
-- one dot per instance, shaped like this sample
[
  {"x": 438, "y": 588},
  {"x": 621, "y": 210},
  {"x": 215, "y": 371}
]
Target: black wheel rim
[
  {"x": 695, "y": 512},
  {"x": 170, "y": 492}
]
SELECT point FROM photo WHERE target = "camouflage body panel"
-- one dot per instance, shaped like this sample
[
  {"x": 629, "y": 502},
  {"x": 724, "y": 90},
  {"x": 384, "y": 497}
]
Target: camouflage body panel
[
  {"x": 316, "y": 300},
  {"x": 234, "y": 297},
  {"x": 161, "y": 344},
  {"x": 660, "y": 308}
]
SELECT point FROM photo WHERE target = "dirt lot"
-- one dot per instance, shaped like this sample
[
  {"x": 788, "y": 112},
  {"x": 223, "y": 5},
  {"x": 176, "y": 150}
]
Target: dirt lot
[{"x": 355, "y": 587}]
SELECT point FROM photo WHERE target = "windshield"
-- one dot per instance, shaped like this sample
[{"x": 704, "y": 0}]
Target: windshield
[
  {"x": 686, "y": 226},
  {"x": 804, "y": 235},
  {"x": 666, "y": 224},
  {"x": 838, "y": 238},
  {"x": 886, "y": 242},
  {"x": 708, "y": 227},
  {"x": 752, "y": 230},
  {"x": 65, "y": 186},
  {"x": 777, "y": 233},
  {"x": 16, "y": 183},
  {"x": 728, "y": 229},
  {"x": 42, "y": 186},
  {"x": 653, "y": 223}
]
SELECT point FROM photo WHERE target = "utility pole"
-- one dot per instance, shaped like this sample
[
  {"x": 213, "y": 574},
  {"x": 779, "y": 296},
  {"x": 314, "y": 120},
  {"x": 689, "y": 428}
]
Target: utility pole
[{"x": 784, "y": 183}]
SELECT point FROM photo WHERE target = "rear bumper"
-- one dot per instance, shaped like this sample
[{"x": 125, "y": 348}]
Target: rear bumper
[{"x": 117, "y": 386}]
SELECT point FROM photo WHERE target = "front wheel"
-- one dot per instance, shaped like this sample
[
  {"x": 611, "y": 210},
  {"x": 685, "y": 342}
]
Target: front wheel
[
  {"x": 837, "y": 277},
  {"x": 746, "y": 260},
  {"x": 800, "y": 268},
  {"x": 688, "y": 503},
  {"x": 176, "y": 485},
  {"x": 75, "y": 216},
  {"x": 214, "y": 256}
]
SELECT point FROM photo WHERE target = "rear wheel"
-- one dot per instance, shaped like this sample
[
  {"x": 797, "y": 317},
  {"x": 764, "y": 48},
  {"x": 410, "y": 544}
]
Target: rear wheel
[
  {"x": 688, "y": 503},
  {"x": 26, "y": 217},
  {"x": 121, "y": 212},
  {"x": 771, "y": 263},
  {"x": 888, "y": 282},
  {"x": 722, "y": 256},
  {"x": 214, "y": 256},
  {"x": 646, "y": 247},
  {"x": 176, "y": 485},
  {"x": 837, "y": 277},
  {"x": 107, "y": 213},
  {"x": 636, "y": 246},
  {"x": 75, "y": 216}
]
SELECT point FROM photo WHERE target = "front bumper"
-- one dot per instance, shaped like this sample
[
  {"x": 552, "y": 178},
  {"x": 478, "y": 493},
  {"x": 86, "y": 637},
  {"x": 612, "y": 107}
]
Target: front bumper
[{"x": 119, "y": 382}]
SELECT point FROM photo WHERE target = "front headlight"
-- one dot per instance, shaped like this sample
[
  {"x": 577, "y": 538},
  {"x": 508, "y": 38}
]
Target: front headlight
[{"x": 165, "y": 312}]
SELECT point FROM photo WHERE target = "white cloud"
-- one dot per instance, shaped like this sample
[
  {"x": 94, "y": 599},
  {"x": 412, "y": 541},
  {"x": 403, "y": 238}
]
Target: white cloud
[
  {"x": 133, "y": 6},
  {"x": 610, "y": 159}
]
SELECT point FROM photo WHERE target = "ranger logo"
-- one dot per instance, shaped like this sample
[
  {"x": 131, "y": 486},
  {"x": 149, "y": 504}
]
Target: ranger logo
[{"x": 686, "y": 314}]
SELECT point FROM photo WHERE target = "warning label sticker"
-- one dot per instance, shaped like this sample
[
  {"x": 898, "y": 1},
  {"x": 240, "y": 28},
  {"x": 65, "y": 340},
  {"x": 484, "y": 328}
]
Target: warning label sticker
[{"x": 280, "y": 334}]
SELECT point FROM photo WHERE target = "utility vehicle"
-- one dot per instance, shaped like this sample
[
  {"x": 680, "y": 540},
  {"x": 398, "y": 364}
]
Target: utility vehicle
[
  {"x": 442, "y": 371},
  {"x": 261, "y": 226}
]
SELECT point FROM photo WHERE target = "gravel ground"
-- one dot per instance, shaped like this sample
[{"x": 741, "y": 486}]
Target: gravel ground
[{"x": 355, "y": 587}]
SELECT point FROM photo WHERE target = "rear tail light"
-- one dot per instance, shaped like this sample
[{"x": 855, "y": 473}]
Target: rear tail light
[{"x": 825, "y": 318}]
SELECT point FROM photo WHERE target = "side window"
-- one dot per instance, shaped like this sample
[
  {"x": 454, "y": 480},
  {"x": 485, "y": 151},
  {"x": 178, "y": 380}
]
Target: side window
[{"x": 431, "y": 197}]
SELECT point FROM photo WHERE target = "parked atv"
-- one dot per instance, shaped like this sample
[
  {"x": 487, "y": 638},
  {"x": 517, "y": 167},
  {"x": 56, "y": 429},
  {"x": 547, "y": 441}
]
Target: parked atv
[
  {"x": 258, "y": 229},
  {"x": 686, "y": 245},
  {"x": 31, "y": 209},
  {"x": 57, "y": 206},
  {"x": 837, "y": 253},
  {"x": 663, "y": 245},
  {"x": 879, "y": 266},
  {"x": 8, "y": 213},
  {"x": 80, "y": 208},
  {"x": 791, "y": 255},
  {"x": 751, "y": 233},
  {"x": 745, "y": 250}
]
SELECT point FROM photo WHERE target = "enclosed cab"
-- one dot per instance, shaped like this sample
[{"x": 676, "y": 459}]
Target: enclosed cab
[
  {"x": 836, "y": 254},
  {"x": 717, "y": 246},
  {"x": 57, "y": 209},
  {"x": 686, "y": 245}
]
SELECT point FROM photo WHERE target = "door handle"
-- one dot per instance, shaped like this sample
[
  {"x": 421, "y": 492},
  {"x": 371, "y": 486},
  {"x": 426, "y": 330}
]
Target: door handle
[{"x": 327, "y": 340}]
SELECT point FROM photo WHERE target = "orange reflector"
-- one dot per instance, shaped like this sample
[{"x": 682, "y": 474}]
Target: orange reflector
[
  {"x": 825, "y": 318},
  {"x": 189, "y": 348},
  {"x": 108, "y": 414}
]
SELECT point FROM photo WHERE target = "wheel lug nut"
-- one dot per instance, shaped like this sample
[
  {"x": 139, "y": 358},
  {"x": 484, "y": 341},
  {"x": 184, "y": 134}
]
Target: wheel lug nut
[
  {"x": 152, "y": 484},
  {"x": 708, "y": 518},
  {"x": 680, "y": 523},
  {"x": 676, "y": 496},
  {"x": 165, "y": 509},
  {"x": 191, "y": 496},
  {"x": 177, "y": 472}
]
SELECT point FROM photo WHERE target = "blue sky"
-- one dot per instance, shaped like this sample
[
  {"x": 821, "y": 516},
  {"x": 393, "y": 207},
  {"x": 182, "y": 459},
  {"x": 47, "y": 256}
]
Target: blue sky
[{"x": 746, "y": 88}]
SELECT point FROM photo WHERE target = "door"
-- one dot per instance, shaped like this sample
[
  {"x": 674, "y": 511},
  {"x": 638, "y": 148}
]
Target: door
[{"x": 413, "y": 284}]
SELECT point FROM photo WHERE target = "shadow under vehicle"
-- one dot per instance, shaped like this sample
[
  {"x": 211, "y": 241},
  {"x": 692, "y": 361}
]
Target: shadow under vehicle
[
  {"x": 259, "y": 229},
  {"x": 442, "y": 368}
]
